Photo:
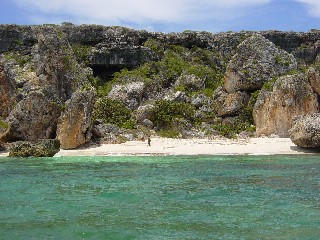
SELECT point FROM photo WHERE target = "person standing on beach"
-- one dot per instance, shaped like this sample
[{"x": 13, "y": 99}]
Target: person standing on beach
[{"x": 149, "y": 141}]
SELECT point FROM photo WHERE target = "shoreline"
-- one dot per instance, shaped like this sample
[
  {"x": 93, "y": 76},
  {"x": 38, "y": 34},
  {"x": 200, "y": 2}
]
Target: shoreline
[{"x": 168, "y": 147}]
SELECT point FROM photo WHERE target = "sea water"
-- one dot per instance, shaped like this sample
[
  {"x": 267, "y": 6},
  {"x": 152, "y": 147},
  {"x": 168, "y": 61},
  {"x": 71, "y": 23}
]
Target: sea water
[{"x": 171, "y": 197}]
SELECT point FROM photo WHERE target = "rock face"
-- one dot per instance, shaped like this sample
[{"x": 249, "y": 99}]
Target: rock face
[
  {"x": 40, "y": 148},
  {"x": 306, "y": 131},
  {"x": 274, "y": 110},
  {"x": 130, "y": 94},
  {"x": 58, "y": 71},
  {"x": 257, "y": 60},
  {"x": 34, "y": 117},
  {"x": 6, "y": 93},
  {"x": 233, "y": 103},
  {"x": 45, "y": 69},
  {"x": 75, "y": 124},
  {"x": 314, "y": 79}
]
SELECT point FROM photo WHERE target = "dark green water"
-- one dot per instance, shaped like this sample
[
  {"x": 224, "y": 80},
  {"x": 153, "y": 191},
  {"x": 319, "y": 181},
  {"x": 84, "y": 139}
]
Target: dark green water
[{"x": 214, "y": 197}]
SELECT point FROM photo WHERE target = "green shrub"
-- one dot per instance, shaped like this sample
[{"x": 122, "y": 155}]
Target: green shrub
[
  {"x": 81, "y": 52},
  {"x": 155, "y": 46},
  {"x": 112, "y": 111},
  {"x": 164, "y": 112},
  {"x": 230, "y": 130},
  {"x": 3, "y": 125},
  {"x": 167, "y": 133}
]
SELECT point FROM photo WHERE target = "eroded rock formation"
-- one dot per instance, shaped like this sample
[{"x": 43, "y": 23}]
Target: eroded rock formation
[
  {"x": 75, "y": 123},
  {"x": 39, "y": 148},
  {"x": 290, "y": 96},
  {"x": 305, "y": 131},
  {"x": 257, "y": 61},
  {"x": 45, "y": 69},
  {"x": 34, "y": 117}
]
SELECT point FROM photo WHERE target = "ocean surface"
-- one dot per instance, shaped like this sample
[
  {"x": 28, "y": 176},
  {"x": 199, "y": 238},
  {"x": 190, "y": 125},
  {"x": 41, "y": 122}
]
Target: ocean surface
[{"x": 172, "y": 197}]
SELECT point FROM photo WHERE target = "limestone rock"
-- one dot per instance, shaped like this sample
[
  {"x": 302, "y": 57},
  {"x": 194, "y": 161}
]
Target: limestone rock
[
  {"x": 144, "y": 112},
  {"x": 198, "y": 100},
  {"x": 190, "y": 82},
  {"x": 257, "y": 60},
  {"x": 75, "y": 124},
  {"x": 105, "y": 129},
  {"x": 34, "y": 117},
  {"x": 176, "y": 96},
  {"x": 274, "y": 110},
  {"x": 7, "y": 92},
  {"x": 130, "y": 94},
  {"x": 148, "y": 123},
  {"x": 56, "y": 66},
  {"x": 233, "y": 103},
  {"x": 305, "y": 131},
  {"x": 314, "y": 79},
  {"x": 39, "y": 148}
]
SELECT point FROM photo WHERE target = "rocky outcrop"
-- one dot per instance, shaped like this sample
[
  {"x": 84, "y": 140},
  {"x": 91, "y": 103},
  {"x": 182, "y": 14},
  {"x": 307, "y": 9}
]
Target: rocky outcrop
[
  {"x": 144, "y": 112},
  {"x": 34, "y": 117},
  {"x": 290, "y": 97},
  {"x": 314, "y": 79},
  {"x": 39, "y": 148},
  {"x": 7, "y": 99},
  {"x": 130, "y": 94},
  {"x": 15, "y": 37},
  {"x": 75, "y": 124},
  {"x": 45, "y": 69},
  {"x": 190, "y": 82},
  {"x": 56, "y": 66},
  {"x": 305, "y": 131},
  {"x": 232, "y": 104},
  {"x": 257, "y": 61}
]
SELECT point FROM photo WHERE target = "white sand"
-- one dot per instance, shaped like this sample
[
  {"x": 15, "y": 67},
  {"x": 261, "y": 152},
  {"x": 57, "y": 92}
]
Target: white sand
[{"x": 166, "y": 146}]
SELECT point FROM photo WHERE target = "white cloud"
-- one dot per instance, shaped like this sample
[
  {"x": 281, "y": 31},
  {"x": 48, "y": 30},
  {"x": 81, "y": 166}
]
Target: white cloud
[
  {"x": 138, "y": 11},
  {"x": 313, "y": 6}
]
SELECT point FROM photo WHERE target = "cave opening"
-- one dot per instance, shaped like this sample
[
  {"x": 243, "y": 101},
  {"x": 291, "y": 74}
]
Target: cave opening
[{"x": 104, "y": 73}]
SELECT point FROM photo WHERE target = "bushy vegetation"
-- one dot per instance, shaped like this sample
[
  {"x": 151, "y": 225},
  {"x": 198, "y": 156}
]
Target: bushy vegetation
[
  {"x": 176, "y": 60},
  {"x": 81, "y": 52},
  {"x": 114, "y": 112},
  {"x": 230, "y": 130},
  {"x": 3, "y": 124},
  {"x": 164, "y": 113},
  {"x": 20, "y": 59}
]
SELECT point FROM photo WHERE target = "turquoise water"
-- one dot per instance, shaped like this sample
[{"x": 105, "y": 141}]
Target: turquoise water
[{"x": 213, "y": 197}]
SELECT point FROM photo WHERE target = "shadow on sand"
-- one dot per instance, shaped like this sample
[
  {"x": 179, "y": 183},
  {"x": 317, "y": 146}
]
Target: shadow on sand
[{"x": 304, "y": 150}]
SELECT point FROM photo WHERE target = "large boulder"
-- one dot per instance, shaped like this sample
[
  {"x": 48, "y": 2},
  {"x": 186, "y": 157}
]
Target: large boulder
[
  {"x": 257, "y": 60},
  {"x": 39, "y": 148},
  {"x": 290, "y": 97},
  {"x": 75, "y": 124},
  {"x": 130, "y": 94},
  {"x": 233, "y": 103},
  {"x": 305, "y": 131},
  {"x": 34, "y": 117}
]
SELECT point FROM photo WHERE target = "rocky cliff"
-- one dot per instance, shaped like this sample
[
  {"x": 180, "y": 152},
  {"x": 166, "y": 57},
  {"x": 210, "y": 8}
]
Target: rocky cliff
[{"x": 54, "y": 79}]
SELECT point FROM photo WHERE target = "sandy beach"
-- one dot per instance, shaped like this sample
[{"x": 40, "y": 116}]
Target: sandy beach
[{"x": 168, "y": 146}]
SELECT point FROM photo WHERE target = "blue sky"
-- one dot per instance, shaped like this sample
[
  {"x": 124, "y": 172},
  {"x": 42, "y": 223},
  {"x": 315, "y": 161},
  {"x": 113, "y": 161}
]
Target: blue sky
[{"x": 169, "y": 15}]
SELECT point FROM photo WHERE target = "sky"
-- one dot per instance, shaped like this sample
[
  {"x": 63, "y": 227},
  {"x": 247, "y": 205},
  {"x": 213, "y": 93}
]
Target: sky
[{"x": 168, "y": 15}]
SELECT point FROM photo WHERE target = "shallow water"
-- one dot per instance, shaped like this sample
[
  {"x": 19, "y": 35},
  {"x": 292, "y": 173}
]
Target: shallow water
[{"x": 213, "y": 197}]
